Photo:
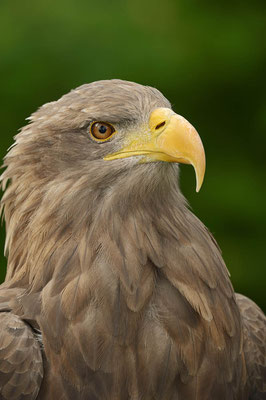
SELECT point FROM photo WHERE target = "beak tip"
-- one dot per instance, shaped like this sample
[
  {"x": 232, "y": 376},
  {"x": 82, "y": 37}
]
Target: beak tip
[
  {"x": 198, "y": 188},
  {"x": 199, "y": 183},
  {"x": 199, "y": 172}
]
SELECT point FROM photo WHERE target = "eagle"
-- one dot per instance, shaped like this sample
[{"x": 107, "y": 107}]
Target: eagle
[{"x": 114, "y": 289}]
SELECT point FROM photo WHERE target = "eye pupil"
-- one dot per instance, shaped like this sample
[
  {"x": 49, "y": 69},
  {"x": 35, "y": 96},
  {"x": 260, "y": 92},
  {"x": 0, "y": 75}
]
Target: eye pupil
[{"x": 102, "y": 129}]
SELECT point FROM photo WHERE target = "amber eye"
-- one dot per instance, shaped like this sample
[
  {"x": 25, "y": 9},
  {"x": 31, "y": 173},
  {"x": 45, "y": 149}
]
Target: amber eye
[{"x": 101, "y": 130}]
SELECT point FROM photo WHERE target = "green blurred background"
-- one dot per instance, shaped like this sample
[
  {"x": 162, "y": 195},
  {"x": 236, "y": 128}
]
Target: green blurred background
[{"x": 207, "y": 57}]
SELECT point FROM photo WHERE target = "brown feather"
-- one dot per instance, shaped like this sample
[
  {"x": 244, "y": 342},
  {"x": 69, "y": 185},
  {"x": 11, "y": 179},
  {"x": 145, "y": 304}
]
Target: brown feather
[
  {"x": 21, "y": 366},
  {"x": 254, "y": 322},
  {"x": 128, "y": 288}
]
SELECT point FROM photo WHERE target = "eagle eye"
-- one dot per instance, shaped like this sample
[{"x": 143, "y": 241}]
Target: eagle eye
[{"x": 101, "y": 131}]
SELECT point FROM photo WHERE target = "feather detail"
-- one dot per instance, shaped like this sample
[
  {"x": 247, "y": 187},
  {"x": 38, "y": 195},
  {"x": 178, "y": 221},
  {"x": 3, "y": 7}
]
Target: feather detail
[{"x": 127, "y": 287}]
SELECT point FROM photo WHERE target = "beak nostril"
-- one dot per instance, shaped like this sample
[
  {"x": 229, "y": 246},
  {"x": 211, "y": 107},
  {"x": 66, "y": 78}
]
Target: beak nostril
[{"x": 160, "y": 125}]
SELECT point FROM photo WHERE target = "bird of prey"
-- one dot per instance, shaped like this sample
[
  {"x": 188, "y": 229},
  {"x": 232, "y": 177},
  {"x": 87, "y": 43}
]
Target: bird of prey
[{"x": 114, "y": 289}]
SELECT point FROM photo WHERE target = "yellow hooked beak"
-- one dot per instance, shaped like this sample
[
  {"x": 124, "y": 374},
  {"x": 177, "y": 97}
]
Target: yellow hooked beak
[{"x": 170, "y": 138}]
